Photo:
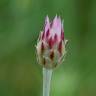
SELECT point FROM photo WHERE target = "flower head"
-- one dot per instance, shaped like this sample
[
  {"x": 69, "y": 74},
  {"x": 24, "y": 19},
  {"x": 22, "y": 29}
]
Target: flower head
[{"x": 51, "y": 43}]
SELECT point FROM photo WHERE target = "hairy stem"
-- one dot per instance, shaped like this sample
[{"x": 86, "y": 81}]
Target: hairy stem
[{"x": 47, "y": 75}]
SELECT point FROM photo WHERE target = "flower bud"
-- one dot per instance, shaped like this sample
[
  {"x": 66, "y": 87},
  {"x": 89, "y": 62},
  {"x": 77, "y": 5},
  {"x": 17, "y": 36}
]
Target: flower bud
[{"x": 51, "y": 44}]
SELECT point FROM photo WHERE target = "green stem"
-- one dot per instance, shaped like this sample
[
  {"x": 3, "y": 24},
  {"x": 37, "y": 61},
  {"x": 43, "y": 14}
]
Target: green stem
[{"x": 47, "y": 75}]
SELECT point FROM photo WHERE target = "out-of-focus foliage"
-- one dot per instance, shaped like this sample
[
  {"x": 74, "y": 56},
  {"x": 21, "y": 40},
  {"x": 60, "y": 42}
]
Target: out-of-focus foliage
[{"x": 20, "y": 24}]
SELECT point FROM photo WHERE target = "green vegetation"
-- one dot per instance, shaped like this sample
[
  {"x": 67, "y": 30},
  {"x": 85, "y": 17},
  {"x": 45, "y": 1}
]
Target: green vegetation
[{"x": 20, "y": 24}]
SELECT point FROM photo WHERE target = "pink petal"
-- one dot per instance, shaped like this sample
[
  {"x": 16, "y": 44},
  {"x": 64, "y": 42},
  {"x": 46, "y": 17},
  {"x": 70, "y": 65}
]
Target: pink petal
[
  {"x": 54, "y": 23},
  {"x": 56, "y": 27},
  {"x": 47, "y": 24}
]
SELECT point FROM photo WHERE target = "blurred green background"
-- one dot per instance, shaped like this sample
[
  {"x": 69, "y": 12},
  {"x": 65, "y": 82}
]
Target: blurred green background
[{"x": 20, "y": 24}]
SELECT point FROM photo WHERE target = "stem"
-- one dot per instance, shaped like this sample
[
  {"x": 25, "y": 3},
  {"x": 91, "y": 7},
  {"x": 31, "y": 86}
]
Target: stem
[{"x": 47, "y": 75}]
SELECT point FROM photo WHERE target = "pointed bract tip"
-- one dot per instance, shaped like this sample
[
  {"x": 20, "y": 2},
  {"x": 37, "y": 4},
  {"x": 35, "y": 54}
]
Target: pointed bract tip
[
  {"x": 47, "y": 19},
  {"x": 66, "y": 41},
  {"x": 55, "y": 18}
]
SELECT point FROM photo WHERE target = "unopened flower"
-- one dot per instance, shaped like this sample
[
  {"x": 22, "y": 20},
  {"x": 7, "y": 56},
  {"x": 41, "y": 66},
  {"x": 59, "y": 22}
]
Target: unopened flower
[{"x": 51, "y": 43}]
